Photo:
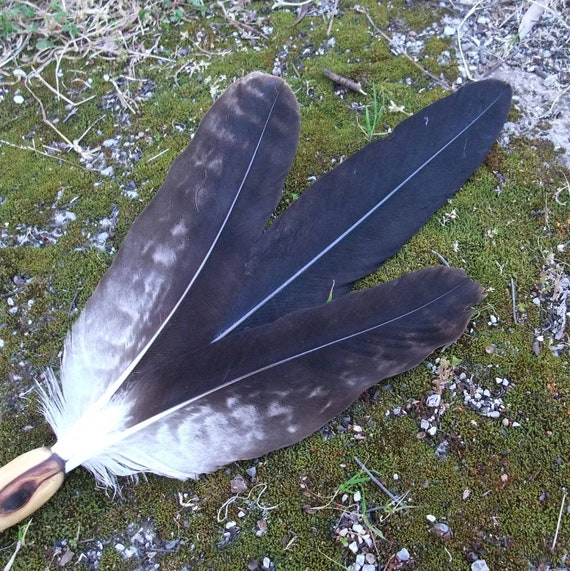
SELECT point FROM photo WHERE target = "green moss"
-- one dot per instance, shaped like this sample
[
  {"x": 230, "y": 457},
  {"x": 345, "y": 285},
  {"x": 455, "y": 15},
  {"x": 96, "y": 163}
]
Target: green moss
[{"x": 505, "y": 222}]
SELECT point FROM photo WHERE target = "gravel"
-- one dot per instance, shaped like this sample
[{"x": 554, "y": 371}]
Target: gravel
[{"x": 488, "y": 45}]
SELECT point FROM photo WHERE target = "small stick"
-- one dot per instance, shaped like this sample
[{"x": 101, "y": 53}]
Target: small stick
[
  {"x": 333, "y": 14},
  {"x": 230, "y": 19},
  {"x": 472, "y": 11},
  {"x": 514, "y": 298},
  {"x": 123, "y": 99},
  {"x": 559, "y": 519},
  {"x": 348, "y": 83},
  {"x": 376, "y": 481},
  {"x": 20, "y": 543},
  {"x": 37, "y": 151},
  {"x": 56, "y": 92},
  {"x": 157, "y": 155},
  {"x": 443, "y": 260}
]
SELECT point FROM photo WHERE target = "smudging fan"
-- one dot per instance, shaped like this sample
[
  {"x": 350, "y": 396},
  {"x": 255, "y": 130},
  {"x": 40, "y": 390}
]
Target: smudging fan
[{"x": 210, "y": 338}]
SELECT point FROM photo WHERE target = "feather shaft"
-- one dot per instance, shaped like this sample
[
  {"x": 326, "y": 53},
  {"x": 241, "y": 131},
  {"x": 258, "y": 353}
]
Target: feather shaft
[
  {"x": 209, "y": 211},
  {"x": 324, "y": 251}
]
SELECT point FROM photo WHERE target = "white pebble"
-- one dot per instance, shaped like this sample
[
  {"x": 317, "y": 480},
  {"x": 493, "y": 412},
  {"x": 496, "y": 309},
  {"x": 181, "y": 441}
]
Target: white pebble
[
  {"x": 432, "y": 431},
  {"x": 266, "y": 562},
  {"x": 431, "y": 518},
  {"x": 357, "y": 528},
  {"x": 433, "y": 400},
  {"x": 353, "y": 547},
  {"x": 18, "y": 99},
  {"x": 357, "y": 496},
  {"x": 550, "y": 80},
  {"x": 479, "y": 565},
  {"x": 403, "y": 555}
]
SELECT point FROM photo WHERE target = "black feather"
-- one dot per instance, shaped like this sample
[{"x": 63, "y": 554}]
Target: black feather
[
  {"x": 361, "y": 213},
  {"x": 303, "y": 369}
]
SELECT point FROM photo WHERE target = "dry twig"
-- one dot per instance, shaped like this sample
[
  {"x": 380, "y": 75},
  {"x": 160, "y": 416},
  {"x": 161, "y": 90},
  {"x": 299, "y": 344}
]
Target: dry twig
[
  {"x": 345, "y": 82},
  {"x": 377, "y": 481},
  {"x": 564, "y": 495},
  {"x": 514, "y": 300}
]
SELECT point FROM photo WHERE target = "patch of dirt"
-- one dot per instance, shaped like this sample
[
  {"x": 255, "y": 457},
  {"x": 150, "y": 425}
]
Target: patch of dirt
[
  {"x": 494, "y": 40},
  {"x": 545, "y": 111}
]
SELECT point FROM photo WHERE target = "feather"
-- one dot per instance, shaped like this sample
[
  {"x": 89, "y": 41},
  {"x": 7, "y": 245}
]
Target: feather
[
  {"x": 372, "y": 204},
  {"x": 209, "y": 340},
  {"x": 212, "y": 207},
  {"x": 270, "y": 386}
]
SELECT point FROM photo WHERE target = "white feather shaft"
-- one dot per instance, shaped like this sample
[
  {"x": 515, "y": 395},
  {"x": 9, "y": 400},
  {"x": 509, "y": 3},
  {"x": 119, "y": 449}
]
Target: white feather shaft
[{"x": 112, "y": 389}]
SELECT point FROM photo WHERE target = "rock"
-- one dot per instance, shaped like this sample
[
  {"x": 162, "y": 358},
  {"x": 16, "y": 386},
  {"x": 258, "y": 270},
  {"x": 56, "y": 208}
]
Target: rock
[
  {"x": 403, "y": 555},
  {"x": 480, "y": 565},
  {"x": 443, "y": 531},
  {"x": 433, "y": 400},
  {"x": 238, "y": 485}
]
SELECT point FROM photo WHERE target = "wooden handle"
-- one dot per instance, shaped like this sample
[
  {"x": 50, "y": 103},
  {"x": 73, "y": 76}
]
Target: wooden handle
[{"x": 28, "y": 482}]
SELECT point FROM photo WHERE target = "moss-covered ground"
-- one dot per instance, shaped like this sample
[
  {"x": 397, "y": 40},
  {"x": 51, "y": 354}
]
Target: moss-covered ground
[{"x": 500, "y": 486}]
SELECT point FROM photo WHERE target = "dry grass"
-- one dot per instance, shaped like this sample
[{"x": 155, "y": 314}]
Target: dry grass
[{"x": 37, "y": 33}]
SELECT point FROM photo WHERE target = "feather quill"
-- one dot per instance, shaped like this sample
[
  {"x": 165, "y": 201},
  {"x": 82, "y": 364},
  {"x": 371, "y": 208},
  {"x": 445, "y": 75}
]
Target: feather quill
[{"x": 209, "y": 340}]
